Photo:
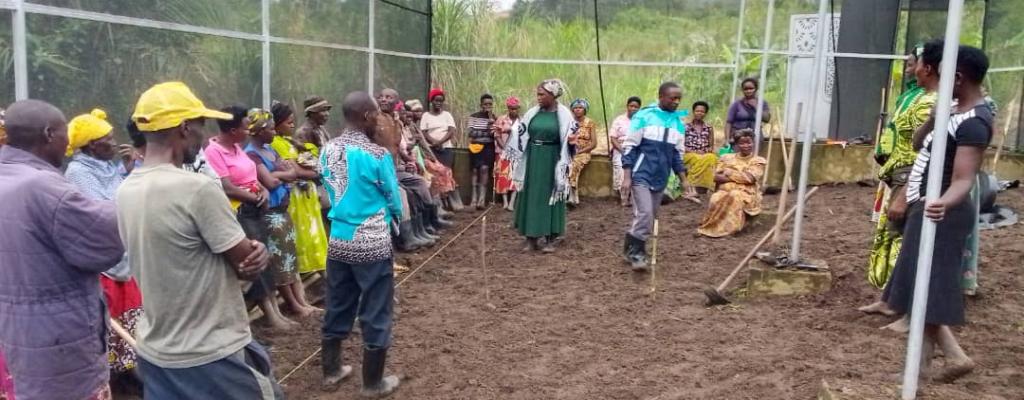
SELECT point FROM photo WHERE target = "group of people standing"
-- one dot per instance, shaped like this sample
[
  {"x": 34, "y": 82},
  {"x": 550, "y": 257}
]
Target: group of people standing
[
  {"x": 904, "y": 153},
  {"x": 182, "y": 232}
]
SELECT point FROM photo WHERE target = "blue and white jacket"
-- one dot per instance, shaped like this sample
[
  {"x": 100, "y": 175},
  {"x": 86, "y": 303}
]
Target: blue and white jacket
[{"x": 654, "y": 146}]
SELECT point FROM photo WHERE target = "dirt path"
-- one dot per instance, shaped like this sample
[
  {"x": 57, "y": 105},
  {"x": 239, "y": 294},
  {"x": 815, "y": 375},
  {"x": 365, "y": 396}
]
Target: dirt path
[{"x": 577, "y": 325}]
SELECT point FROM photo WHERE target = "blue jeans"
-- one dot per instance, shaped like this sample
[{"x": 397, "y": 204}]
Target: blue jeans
[
  {"x": 346, "y": 283},
  {"x": 245, "y": 375}
]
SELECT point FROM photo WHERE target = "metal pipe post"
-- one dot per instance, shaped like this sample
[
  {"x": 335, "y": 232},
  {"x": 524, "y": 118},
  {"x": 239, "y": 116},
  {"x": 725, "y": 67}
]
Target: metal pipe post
[
  {"x": 762, "y": 77},
  {"x": 266, "y": 53},
  {"x": 947, "y": 69},
  {"x": 20, "y": 51},
  {"x": 371, "y": 56},
  {"x": 738, "y": 54},
  {"x": 805, "y": 148}
]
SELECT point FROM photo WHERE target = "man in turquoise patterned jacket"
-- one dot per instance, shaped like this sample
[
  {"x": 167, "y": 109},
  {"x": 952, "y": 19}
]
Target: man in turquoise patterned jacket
[{"x": 359, "y": 176}]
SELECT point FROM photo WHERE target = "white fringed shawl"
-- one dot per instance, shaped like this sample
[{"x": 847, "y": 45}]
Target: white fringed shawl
[{"x": 519, "y": 139}]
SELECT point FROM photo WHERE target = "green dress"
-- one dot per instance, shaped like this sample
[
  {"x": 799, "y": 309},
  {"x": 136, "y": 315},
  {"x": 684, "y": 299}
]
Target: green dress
[{"x": 534, "y": 216}]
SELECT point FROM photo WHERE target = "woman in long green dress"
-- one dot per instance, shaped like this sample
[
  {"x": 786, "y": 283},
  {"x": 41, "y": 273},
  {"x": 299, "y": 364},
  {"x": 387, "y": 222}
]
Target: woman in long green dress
[{"x": 538, "y": 145}]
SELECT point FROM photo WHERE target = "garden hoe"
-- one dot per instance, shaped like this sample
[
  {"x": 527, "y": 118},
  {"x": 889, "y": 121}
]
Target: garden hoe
[{"x": 714, "y": 295}]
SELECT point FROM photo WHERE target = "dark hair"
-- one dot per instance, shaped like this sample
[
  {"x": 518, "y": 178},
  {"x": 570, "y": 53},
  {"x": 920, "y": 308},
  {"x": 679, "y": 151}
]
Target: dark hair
[
  {"x": 237, "y": 115},
  {"x": 932, "y": 54},
  {"x": 280, "y": 111},
  {"x": 701, "y": 103},
  {"x": 634, "y": 99},
  {"x": 486, "y": 96},
  {"x": 666, "y": 86},
  {"x": 751, "y": 80},
  {"x": 972, "y": 63},
  {"x": 138, "y": 139},
  {"x": 740, "y": 133}
]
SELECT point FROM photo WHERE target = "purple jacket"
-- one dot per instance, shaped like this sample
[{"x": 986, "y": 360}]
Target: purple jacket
[{"x": 53, "y": 245}]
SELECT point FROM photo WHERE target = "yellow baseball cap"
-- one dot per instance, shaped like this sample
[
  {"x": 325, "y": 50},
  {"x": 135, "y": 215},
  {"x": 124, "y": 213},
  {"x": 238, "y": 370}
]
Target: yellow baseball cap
[{"x": 167, "y": 105}]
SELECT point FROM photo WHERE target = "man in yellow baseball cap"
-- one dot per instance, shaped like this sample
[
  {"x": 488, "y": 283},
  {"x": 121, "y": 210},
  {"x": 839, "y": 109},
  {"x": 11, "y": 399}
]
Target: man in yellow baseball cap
[
  {"x": 189, "y": 252},
  {"x": 168, "y": 105}
]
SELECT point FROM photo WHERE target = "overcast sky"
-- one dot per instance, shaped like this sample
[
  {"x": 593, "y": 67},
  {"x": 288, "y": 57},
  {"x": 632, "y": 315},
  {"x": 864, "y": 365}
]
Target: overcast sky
[{"x": 502, "y": 5}]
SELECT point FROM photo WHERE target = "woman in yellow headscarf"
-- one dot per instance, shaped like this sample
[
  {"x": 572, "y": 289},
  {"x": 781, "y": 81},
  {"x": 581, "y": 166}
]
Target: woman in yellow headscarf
[{"x": 94, "y": 171}]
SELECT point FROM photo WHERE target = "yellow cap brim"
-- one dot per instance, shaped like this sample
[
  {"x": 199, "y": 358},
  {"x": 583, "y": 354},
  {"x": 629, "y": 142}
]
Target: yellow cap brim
[{"x": 208, "y": 113}]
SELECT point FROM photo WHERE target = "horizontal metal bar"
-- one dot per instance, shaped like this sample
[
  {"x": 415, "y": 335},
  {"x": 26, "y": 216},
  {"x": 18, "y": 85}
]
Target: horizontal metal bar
[
  {"x": 1006, "y": 69},
  {"x": 827, "y": 54},
  {"x": 7, "y": 5},
  {"x": 556, "y": 61},
  {"x": 140, "y": 22}
]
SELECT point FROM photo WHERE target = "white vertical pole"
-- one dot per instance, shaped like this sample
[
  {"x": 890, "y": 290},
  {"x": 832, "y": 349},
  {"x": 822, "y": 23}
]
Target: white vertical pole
[
  {"x": 762, "y": 77},
  {"x": 266, "y": 54},
  {"x": 371, "y": 59},
  {"x": 20, "y": 51},
  {"x": 805, "y": 155},
  {"x": 736, "y": 58},
  {"x": 935, "y": 167}
]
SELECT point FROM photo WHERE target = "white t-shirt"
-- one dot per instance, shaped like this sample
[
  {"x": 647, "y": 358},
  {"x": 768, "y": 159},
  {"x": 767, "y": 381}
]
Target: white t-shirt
[
  {"x": 436, "y": 126},
  {"x": 175, "y": 226}
]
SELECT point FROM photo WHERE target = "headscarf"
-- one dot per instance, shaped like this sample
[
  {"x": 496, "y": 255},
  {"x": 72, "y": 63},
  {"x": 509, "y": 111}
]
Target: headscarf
[
  {"x": 580, "y": 103},
  {"x": 512, "y": 101},
  {"x": 414, "y": 105},
  {"x": 399, "y": 106},
  {"x": 259, "y": 119},
  {"x": 434, "y": 93},
  {"x": 553, "y": 86},
  {"x": 85, "y": 128},
  {"x": 314, "y": 104}
]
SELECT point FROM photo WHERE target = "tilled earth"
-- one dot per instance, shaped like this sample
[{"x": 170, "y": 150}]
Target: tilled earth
[{"x": 577, "y": 325}]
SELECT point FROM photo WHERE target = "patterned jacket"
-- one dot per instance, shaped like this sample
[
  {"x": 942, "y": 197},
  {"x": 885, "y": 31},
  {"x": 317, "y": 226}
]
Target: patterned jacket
[{"x": 359, "y": 176}]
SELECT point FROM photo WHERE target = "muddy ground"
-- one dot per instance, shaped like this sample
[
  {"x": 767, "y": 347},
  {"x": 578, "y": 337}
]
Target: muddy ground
[{"x": 578, "y": 325}]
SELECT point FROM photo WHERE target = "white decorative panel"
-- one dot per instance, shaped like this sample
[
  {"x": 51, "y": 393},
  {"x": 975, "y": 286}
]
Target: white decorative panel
[{"x": 803, "y": 30}]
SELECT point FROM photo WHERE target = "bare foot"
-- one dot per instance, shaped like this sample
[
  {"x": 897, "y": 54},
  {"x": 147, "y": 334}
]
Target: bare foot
[
  {"x": 901, "y": 325},
  {"x": 878, "y": 307},
  {"x": 279, "y": 325},
  {"x": 954, "y": 370}
]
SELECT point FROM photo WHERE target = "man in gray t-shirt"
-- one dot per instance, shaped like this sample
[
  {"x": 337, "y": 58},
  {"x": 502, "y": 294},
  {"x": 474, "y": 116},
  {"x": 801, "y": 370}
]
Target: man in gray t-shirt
[{"x": 188, "y": 252}]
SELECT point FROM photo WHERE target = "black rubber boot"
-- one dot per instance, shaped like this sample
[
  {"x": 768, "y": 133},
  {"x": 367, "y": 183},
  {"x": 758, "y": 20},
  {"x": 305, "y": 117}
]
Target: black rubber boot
[
  {"x": 637, "y": 254},
  {"x": 330, "y": 359},
  {"x": 435, "y": 218},
  {"x": 420, "y": 234},
  {"x": 375, "y": 384},
  {"x": 428, "y": 228},
  {"x": 406, "y": 242}
]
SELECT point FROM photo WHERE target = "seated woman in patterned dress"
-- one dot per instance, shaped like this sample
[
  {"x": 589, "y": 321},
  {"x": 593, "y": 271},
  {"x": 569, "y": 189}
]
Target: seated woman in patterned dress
[{"x": 738, "y": 194}]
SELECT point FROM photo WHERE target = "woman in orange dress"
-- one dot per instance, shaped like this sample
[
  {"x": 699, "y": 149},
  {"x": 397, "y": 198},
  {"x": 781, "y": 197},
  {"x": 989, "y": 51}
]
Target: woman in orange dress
[
  {"x": 739, "y": 193},
  {"x": 503, "y": 170}
]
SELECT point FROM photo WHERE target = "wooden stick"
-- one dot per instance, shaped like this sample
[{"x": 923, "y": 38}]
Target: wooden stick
[
  {"x": 123, "y": 333},
  {"x": 787, "y": 183},
  {"x": 483, "y": 257},
  {"x": 757, "y": 246},
  {"x": 1002, "y": 138},
  {"x": 768, "y": 165},
  {"x": 654, "y": 261}
]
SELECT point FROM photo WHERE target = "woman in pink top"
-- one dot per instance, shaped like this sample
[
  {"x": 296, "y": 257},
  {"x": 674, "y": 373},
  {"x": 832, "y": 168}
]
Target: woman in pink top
[
  {"x": 238, "y": 174},
  {"x": 620, "y": 128}
]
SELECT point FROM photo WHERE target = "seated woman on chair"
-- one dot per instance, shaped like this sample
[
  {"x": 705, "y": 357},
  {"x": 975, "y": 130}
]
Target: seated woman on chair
[{"x": 738, "y": 193}]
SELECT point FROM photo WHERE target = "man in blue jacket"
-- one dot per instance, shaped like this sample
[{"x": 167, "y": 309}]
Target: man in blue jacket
[{"x": 652, "y": 150}]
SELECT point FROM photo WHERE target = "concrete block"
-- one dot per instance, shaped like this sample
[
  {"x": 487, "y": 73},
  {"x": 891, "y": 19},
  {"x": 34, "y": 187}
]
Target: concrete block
[{"x": 765, "y": 279}]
